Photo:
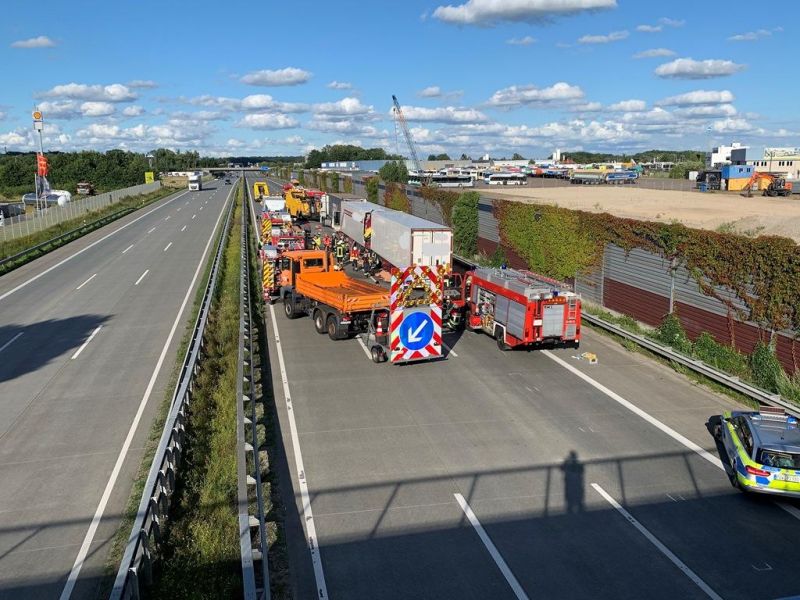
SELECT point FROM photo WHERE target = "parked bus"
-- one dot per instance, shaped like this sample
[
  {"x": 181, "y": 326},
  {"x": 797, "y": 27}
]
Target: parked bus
[{"x": 506, "y": 179}]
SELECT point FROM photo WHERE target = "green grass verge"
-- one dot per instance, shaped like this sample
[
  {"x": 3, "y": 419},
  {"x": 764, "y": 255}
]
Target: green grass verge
[
  {"x": 201, "y": 557},
  {"x": 80, "y": 226},
  {"x": 120, "y": 538}
]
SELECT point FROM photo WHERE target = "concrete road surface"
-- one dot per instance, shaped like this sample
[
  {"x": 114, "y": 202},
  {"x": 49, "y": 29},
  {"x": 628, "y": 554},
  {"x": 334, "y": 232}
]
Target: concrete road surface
[
  {"x": 515, "y": 475},
  {"x": 88, "y": 339}
]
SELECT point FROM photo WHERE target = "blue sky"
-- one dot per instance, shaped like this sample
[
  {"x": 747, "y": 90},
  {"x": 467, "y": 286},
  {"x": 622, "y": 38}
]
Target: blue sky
[{"x": 475, "y": 76}]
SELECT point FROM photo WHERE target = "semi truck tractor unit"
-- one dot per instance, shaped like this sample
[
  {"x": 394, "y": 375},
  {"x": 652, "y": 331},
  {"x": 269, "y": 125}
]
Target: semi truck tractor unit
[
  {"x": 515, "y": 307},
  {"x": 195, "y": 182},
  {"x": 338, "y": 304}
]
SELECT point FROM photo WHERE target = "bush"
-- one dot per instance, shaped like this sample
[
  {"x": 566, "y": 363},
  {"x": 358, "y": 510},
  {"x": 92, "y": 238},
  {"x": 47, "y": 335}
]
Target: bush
[
  {"x": 789, "y": 387},
  {"x": 394, "y": 197},
  {"x": 721, "y": 356},
  {"x": 394, "y": 171},
  {"x": 671, "y": 333},
  {"x": 301, "y": 177},
  {"x": 348, "y": 185},
  {"x": 766, "y": 368},
  {"x": 334, "y": 182},
  {"x": 465, "y": 224},
  {"x": 372, "y": 189}
]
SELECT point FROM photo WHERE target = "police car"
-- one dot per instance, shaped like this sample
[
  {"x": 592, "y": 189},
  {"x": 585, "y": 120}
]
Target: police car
[{"x": 763, "y": 449}]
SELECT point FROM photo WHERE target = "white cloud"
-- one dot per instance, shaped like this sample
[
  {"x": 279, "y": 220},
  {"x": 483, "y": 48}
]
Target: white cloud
[
  {"x": 199, "y": 116},
  {"x": 444, "y": 114},
  {"x": 490, "y": 12},
  {"x": 266, "y": 103},
  {"x": 97, "y": 109},
  {"x": 116, "y": 92},
  {"x": 648, "y": 28},
  {"x": 614, "y": 36},
  {"x": 214, "y": 102},
  {"x": 340, "y": 85},
  {"x": 279, "y": 77},
  {"x": 583, "y": 107},
  {"x": 654, "y": 52},
  {"x": 133, "y": 111},
  {"x": 698, "y": 97},
  {"x": 688, "y": 68},
  {"x": 752, "y": 36},
  {"x": 345, "y": 126},
  {"x": 731, "y": 126},
  {"x": 344, "y": 107},
  {"x": 294, "y": 139},
  {"x": 672, "y": 22},
  {"x": 629, "y": 106},
  {"x": 433, "y": 91},
  {"x": 707, "y": 111},
  {"x": 267, "y": 121},
  {"x": 59, "y": 110},
  {"x": 516, "y": 96},
  {"x": 41, "y": 41},
  {"x": 523, "y": 41},
  {"x": 142, "y": 84}
]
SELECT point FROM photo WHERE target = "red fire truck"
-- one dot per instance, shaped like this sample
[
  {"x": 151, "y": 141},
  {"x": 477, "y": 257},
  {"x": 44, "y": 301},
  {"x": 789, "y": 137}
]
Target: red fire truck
[
  {"x": 279, "y": 236},
  {"x": 517, "y": 308}
]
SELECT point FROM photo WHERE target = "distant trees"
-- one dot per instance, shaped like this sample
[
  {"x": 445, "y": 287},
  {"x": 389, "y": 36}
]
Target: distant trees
[
  {"x": 394, "y": 171},
  {"x": 110, "y": 170},
  {"x": 346, "y": 152},
  {"x": 464, "y": 157},
  {"x": 442, "y": 156},
  {"x": 517, "y": 156},
  {"x": 681, "y": 169}
]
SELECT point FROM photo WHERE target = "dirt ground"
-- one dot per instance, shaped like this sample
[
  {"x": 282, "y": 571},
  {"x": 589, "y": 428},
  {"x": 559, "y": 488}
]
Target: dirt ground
[{"x": 752, "y": 216}]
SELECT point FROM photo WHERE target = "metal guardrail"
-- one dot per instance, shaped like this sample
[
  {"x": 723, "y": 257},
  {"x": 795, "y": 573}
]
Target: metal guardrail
[
  {"x": 252, "y": 528},
  {"x": 698, "y": 366},
  {"x": 137, "y": 561}
]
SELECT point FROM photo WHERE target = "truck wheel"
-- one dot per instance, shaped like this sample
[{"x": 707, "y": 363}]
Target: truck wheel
[
  {"x": 333, "y": 328},
  {"x": 319, "y": 321},
  {"x": 378, "y": 356},
  {"x": 288, "y": 308},
  {"x": 501, "y": 343}
]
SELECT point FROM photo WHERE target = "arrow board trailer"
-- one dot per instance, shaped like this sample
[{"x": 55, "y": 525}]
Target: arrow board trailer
[{"x": 520, "y": 308}]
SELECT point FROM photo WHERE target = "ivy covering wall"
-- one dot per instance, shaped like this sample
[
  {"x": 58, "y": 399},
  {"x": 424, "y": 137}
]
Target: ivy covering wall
[{"x": 763, "y": 272}]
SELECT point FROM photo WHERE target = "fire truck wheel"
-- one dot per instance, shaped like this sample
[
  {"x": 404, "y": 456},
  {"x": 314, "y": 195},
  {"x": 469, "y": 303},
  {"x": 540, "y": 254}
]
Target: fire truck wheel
[
  {"x": 501, "y": 343},
  {"x": 319, "y": 321},
  {"x": 288, "y": 308}
]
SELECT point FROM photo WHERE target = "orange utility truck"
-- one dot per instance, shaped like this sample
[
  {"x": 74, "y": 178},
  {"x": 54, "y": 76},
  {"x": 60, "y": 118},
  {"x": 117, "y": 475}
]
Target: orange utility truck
[{"x": 340, "y": 306}]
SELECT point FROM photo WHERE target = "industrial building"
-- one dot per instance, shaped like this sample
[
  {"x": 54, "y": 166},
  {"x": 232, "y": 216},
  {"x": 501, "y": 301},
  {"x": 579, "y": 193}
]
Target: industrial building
[
  {"x": 780, "y": 161},
  {"x": 735, "y": 154}
]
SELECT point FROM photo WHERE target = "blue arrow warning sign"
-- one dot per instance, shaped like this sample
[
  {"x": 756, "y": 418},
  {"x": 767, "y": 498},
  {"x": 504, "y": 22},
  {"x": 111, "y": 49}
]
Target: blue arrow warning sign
[{"x": 416, "y": 330}]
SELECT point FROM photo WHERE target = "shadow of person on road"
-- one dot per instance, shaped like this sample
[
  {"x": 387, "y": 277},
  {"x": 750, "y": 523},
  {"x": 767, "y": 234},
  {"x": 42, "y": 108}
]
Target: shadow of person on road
[{"x": 573, "y": 482}]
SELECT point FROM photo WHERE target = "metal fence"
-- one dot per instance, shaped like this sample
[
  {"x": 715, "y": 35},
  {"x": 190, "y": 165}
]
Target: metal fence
[
  {"x": 252, "y": 527},
  {"x": 137, "y": 562},
  {"x": 22, "y": 225}
]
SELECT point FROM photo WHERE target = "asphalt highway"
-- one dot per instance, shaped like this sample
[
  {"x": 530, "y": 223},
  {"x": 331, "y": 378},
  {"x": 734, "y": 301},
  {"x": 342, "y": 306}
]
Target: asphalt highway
[
  {"x": 524, "y": 474},
  {"x": 88, "y": 339}
]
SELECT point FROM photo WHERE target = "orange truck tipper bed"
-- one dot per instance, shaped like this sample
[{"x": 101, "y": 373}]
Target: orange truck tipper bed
[{"x": 341, "y": 292}]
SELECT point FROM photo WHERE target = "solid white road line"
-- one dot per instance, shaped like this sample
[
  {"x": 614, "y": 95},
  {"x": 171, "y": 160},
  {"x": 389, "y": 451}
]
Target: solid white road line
[
  {"x": 496, "y": 556},
  {"x": 167, "y": 246},
  {"x": 82, "y": 250},
  {"x": 87, "y": 281},
  {"x": 657, "y": 543},
  {"x": 364, "y": 346},
  {"x": 308, "y": 515},
  {"x": 86, "y": 343},
  {"x": 142, "y": 276},
  {"x": 714, "y": 460},
  {"x": 151, "y": 230},
  {"x": 449, "y": 350},
  {"x": 11, "y": 341},
  {"x": 128, "y": 248},
  {"x": 101, "y": 507},
  {"x": 183, "y": 228}
]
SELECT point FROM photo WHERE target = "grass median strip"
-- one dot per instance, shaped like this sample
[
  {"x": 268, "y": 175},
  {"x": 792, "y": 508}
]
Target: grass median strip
[
  {"x": 201, "y": 547},
  {"x": 29, "y": 246}
]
